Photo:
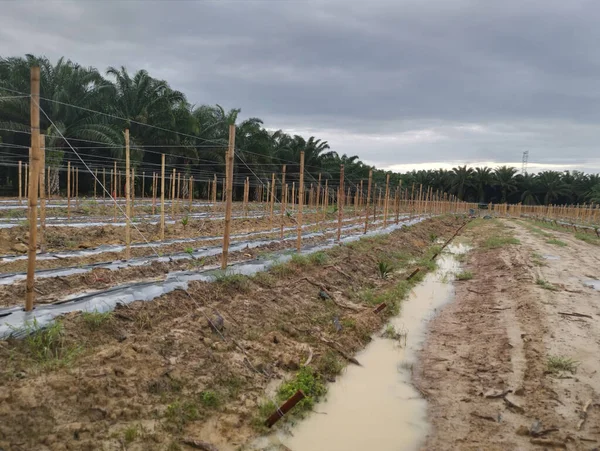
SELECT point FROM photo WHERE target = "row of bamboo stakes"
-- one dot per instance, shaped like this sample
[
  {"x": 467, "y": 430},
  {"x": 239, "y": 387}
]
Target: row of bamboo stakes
[{"x": 372, "y": 205}]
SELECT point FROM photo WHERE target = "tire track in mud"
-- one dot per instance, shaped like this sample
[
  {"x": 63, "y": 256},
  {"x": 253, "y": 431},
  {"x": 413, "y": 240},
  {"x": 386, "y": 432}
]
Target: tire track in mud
[{"x": 484, "y": 366}]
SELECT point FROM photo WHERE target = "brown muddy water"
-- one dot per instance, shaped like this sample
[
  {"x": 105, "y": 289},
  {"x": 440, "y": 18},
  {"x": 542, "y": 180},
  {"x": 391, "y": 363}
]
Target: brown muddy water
[{"x": 375, "y": 406}]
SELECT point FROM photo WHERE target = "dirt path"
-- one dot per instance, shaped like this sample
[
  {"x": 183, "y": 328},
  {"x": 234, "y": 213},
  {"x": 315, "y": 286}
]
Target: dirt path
[{"x": 486, "y": 367}]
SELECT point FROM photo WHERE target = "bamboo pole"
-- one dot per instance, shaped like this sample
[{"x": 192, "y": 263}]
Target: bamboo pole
[
  {"x": 229, "y": 197},
  {"x": 115, "y": 194},
  {"x": 104, "y": 183},
  {"x": 340, "y": 203},
  {"x": 293, "y": 196},
  {"x": 127, "y": 198},
  {"x": 282, "y": 200},
  {"x": 26, "y": 186},
  {"x": 173, "y": 181},
  {"x": 178, "y": 198},
  {"x": 162, "y": 198},
  {"x": 42, "y": 185},
  {"x": 367, "y": 200},
  {"x": 33, "y": 191},
  {"x": 325, "y": 201},
  {"x": 191, "y": 192},
  {"x": 154, "y": 182},
  {"x": 95, "y": 179},
  {"x": 300, "y": 203},
  {"x": 272, "y": 200},
  {"x": 318, "y": 194},
  {"x": 386, "y": 202},
  {"x": 68, "y": 190},
  {"x": 20, "y": 182}
]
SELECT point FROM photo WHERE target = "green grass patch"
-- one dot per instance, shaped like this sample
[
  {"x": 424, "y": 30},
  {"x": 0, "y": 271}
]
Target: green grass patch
[
  {"x": 557, "y": 364},
  {"x": 384, "y": 269},
  {"x": 464, "y": 275},
  {"x": 210, "y": 399},
  {"x": 46, "y": 345},
  {"x": 546, "y": 285},
  {"x": 180, "y": 413},
  {"x": 495, "y": 242},
  {"x": 330, "y": 364},
  {"x": 556, "y": 242},
  {"x": 311, "y": 384},
  {"x": 236, "y": 281},
  {"x": 587, "y": 238},
  {"x": 96, "y": 320}
]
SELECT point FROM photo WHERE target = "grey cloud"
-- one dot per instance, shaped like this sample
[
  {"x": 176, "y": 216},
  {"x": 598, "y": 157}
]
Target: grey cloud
[{"x": 365, "y": 76}]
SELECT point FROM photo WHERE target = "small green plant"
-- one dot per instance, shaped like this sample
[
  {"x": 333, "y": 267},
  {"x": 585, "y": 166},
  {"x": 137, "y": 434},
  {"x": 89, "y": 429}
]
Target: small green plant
[
  {"x": 393, "y": 334},
  {"x": 433, "y": 237},
  {"x": 311, "y": 385},
  {"x": 545, "y": 285},
  {"x": 189, "y": 251},
  {"x": 464, "y": 275},
  {"x": 235, "y": 281},
  {"x": 557, "y": 242},
  {"x": 556, "y": 364},
  {"x": 210, "y": 399},
  {"x": 46, "y": 345},
  {"x": 185, "y": 221},
  {"x": 180, "y": 413},
  {"x": 95, "y": 320},
  {"x": 330, "y": 364},
  {"x": 384, "y": 269},
  {"x": 130, "y": 434},
  {"x": 300, "y": 260},
  {"x": 318, "y": 258}
]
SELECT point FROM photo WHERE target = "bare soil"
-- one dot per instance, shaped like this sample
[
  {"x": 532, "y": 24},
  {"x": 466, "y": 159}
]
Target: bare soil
[
  {"x": 140, "y": 380},
  {"x": 485, "y": 366}
]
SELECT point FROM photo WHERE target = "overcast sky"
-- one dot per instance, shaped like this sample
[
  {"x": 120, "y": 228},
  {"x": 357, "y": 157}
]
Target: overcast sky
[{"x": 402, "y": 83}]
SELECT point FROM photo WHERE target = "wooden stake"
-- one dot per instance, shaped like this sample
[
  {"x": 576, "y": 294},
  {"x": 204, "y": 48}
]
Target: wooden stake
[
  {"x": 300, "y": 202},
  {"x": 173, "y": 181},
  {"x": 95, "y": 178},
  {"x": 318, "y": 194},
  {"x": 68, "y": 190},
  {"x": 33, "y": 191},
  {"x": 282, "y": 200},
  {"x": 162, "y": 198},
  {"x": 20, "y": 182},
  {"x": 367, "y": 200},
  {"x": 229, "y": 197},
  {"x": 42, "y": 183},
  {"x": 103, "y": 183},
  {"x": 191, "y": 192},
  {"x": 293, "y": 196},
  {"x": 26, "y": 186},
  {"x": 340, "y": 203},
  {"x": 386, "y": 201},
  {"x": 115, "y": 194},
  {"x": 272, "y": 200},
  {"x": 127, "y": 198},
  {"x": 154, "y": 181}
]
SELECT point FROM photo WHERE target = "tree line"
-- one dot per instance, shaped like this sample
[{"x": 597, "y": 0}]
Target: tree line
[{"x": 91, "y": 110}]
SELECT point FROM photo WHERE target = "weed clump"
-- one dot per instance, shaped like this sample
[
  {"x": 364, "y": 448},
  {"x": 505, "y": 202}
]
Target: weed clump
[
  {"x": 46, "y": 345},
  {"x": 557, "y": 242},
  {"x": 384, "y": 269},
  {"x": 556, "y": 364},
  {"x": 311, "y": 385},
  {"x": 464, "y": 275},
  {"x": 546, "y": 285},
  {"x": 587, "y": 238},
  {"x": 330, "y": 364},
  {"x": 95, "y": 320},
  {"x": 495, "y": 242}
]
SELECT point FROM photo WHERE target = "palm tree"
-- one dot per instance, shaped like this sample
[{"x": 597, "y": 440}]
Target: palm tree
[
  {"x": 527, "y": 185},
  {"x": 482, "y": 178},
  {"x": 550, "y": 184},
  {"x": 462, "y": 178},
  {"x": 504, "y": 177}
]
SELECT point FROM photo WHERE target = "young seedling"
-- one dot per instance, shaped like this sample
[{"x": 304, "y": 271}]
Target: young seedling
[
  {"x": 557, "y": 363},
  {"x": 384, "y": 269},
  {"x": 464, "y": 275}
]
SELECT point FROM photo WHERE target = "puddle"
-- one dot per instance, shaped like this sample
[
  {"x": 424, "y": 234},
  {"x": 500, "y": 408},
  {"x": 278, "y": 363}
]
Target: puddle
[
  {"x": 375, "y": 406},
  {"x": 550, "y": 257},
  {"x": 592, "y": 283}
]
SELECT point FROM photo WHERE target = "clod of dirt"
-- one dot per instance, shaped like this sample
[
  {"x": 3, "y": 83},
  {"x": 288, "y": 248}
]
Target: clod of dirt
[{"x": 19, "y": 248}]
